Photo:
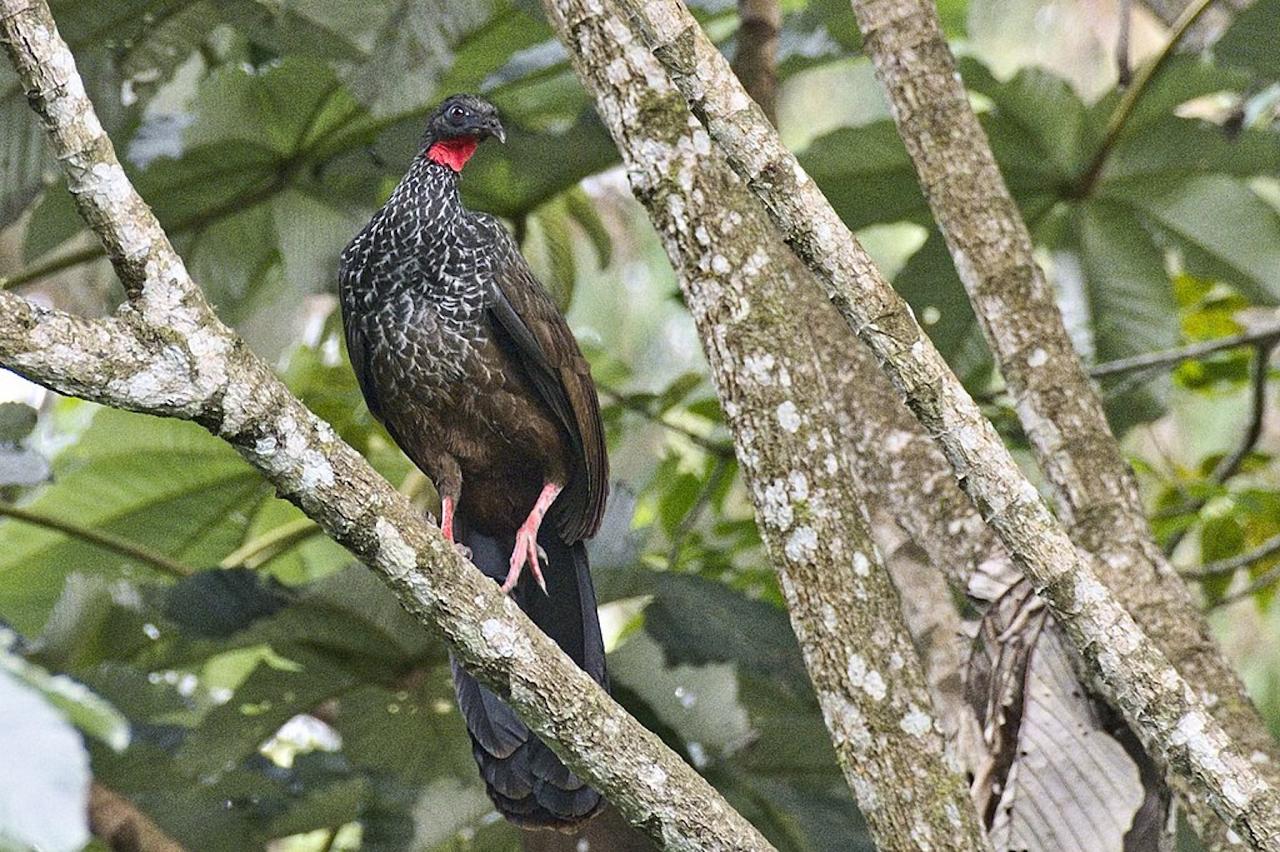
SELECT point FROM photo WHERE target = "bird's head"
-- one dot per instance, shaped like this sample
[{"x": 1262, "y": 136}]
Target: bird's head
[{"x": 457, "y": 126}]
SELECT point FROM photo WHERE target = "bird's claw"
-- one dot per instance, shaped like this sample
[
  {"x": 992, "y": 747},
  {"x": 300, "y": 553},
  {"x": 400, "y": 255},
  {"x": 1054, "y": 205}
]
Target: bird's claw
[
  {"x": 463, "y": 550},
  {"x": 526, "y": 551}
]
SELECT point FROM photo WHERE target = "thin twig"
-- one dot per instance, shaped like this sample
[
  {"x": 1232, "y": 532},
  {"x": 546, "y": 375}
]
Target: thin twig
[
  {"x": 100, "y": 539},
  {"x": 1124, "y": 69},
  {"x": 1223, "y": 567},
  {"x": 1229, "y": 465},
  {"x": 1268, "y": 334},
  {"x": 695, "y": 511},
  {"x": 630, "y": 403},
  {"x": 1129, "y": 102},
  {"x": 1264, "y": 581},
  {"x": 272, "y": 543}
]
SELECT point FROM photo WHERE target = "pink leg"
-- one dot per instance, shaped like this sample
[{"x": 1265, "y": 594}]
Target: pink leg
[
  {"x": 526, "y": 548},
  {"x": 446, "y": 518}
]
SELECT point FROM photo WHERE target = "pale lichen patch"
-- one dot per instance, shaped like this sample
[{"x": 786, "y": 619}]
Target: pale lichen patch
[
  {"x": 802, "y": 545},
  {"x": 916, "y": 722},
  {"x": 788, "y": 416},
  {"x": 393, "y": 551}
]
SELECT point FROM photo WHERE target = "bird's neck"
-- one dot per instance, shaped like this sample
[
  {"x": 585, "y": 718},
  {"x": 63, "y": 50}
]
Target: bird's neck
[{"x": 427, "y": 196}]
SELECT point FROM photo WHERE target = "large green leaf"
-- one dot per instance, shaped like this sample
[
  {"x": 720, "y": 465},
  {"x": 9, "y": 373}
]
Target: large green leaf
[
  {"x": 1130, "y": 297},
  {"x": 1222, "y": 227},
  {"x": 1250, "y": 42},
  {"x": 44, "y": 802},
  {"x": 866, "y": 174},
  {"x": 187, "y": 501}
]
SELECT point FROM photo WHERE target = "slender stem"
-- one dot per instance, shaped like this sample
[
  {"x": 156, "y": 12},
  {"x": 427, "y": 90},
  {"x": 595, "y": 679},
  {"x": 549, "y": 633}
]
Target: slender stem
[
  {"x": 101, "y": 539},
  {"x": 51, "y": 266},
  {"x": 1224, "y": 567},
  {"x": 632, "y": 404},
  {"x": 691, "y": 517},
  {"x": 1129, "y": 101},
  {"x": 1263, "y": 335},
  {"x": 1265, "y": 581},
  {"x": 1229, "y": 465},
  {"x": 1124, "y": 68},
  {"x": 271, "y": 544}
]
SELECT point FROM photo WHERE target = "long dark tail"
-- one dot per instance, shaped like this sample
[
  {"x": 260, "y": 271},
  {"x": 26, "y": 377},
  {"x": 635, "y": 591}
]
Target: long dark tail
[{"x": 527, "y": 782}]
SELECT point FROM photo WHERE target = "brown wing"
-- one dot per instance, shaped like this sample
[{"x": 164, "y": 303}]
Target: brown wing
[{"x": 540, "y": 338}]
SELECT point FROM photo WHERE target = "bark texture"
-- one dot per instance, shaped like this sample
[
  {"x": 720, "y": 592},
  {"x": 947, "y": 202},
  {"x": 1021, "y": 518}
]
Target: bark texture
[
  {"x": 165, "y": 352},
  {"x": 1060, "y": 411},
  {"x": 740, "y": 282},
  {"x": 1156, "y": 701}
]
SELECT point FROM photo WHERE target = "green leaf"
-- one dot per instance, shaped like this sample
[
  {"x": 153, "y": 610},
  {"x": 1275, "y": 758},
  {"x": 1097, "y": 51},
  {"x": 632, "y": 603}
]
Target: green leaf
[
  {"x": 1038, "y": 126},
  {"x": 88, "y": 711},
  {"x": 555, "y": 264},
  {"x": 699, "y": 621},
  {"x": 1222, "y": 227},
  {"x": 187, "y": 502},
  {"x": 221, "y": 602},
  {"x": 44, "y": 802},
  {"x": 1250, "y": 41},
  {"x": 17, "y": 419},
  {"x": 877, "y": 185},
  {"x": 583, "y": 211},
  {"x": 271, "y": 695},
  {"x": 1130, "y": 299},
  {"x": 413, "y": 731},
  {"x": 931, "y": 286}
]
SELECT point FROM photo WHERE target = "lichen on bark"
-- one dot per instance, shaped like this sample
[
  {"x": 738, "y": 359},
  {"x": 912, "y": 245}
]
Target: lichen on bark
[{"x": 739, "y": 282}]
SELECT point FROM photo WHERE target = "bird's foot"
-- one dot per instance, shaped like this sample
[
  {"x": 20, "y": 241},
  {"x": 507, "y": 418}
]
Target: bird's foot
[
  {"x": 525, "y": 551},
  {"x": 463, "y": 550}
]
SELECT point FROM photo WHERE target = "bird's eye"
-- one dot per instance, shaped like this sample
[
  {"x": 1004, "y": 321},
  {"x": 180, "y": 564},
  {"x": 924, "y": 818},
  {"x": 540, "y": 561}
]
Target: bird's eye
[{"x": 457, "y": 114}]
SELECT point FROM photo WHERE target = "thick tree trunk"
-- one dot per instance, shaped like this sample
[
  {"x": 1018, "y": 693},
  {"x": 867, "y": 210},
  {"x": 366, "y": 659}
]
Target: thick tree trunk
[
  {"x": 1161, "y": 707},
  {"x": 1055, "y": 399},
  {"x": 739, "y": 281}
]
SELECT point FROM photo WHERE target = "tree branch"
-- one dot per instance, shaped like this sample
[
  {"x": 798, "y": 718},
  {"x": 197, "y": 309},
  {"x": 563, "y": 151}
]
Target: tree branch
[
  {"x": 1268, "y": 334},
  {"x": 1054, "y": 398},
  {"x": 167, "y": 353},
  {"x": 122, "y": 546},
  {"x": 1223, "y": 567},
  {"x": 1265, "y": 581},
  {"x": 1133, "y": 94},
  {"x": 1154, "y": 698},
  {"x": 781, "y": 409}
]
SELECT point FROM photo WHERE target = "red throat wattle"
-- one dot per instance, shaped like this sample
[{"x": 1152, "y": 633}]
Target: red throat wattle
[{"x": 453, "y": 153}]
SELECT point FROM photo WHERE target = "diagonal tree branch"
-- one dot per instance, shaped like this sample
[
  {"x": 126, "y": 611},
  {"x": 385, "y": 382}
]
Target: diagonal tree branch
[
  {"x": 780, "y": 406},
  {"x": 167, "y": 353},
  {"x": 1056, "y": 402},
  {"x": 1161, "y": 707}
]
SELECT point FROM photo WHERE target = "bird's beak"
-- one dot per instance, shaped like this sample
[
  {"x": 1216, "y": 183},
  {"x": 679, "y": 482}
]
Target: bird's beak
[{"x": 496, "y": 131}]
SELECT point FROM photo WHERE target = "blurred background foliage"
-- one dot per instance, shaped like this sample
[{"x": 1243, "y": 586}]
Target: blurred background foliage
[{"x": 174, "y": 632}]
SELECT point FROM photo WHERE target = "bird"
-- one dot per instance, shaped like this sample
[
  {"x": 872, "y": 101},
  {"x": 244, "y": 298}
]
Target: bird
[{"x": 463, "y": 356}]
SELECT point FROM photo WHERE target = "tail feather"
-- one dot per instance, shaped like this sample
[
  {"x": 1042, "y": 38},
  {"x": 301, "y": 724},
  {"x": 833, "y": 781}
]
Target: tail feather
[{"x": 526, "y": 780}]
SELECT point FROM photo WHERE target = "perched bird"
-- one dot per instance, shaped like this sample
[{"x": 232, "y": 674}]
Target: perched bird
[{"x": 464, "y": 357}]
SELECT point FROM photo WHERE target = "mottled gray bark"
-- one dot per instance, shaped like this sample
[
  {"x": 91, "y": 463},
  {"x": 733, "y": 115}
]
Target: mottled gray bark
[
  {"x": 1161, "y": 707},
  {"x": 165, "y": 352},
  {"x": 1056, "y": 402},
  {"x": 741, "y": 284}
]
